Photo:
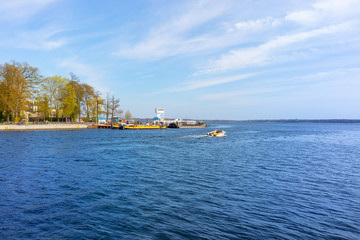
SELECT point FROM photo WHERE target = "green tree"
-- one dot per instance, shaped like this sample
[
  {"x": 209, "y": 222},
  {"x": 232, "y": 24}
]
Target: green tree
[
  {"x": 89, "y": 100},
  {"x": 69, "y": 102},
  {"x": 18, "y": 83},
  {"x": 53, "y": 88},
  {"x": 43, "y": 104},
  {"x": 79, "y": 93}
]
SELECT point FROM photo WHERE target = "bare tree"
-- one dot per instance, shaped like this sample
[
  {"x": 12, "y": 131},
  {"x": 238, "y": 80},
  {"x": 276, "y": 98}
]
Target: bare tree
[
  {"x": 97, "y": 107},
  {"x": 128, "y": 115},
  {"x": 114, "y": 106},
  {"x": 107, "y": 106}
]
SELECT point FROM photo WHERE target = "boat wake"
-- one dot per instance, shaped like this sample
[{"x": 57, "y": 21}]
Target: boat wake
[{"x": 194, "y": 136}]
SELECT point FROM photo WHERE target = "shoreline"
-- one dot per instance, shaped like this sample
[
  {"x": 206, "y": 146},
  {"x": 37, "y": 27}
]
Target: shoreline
[
  {"x": 67, "y": 126},
  {"x": 64, "y": 126}
]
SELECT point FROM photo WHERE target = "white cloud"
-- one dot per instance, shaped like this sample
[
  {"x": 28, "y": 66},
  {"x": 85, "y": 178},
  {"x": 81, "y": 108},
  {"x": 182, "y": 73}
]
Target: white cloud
[
  {"x": 322, "y": 19},
  {"x": 175, "y": 36},
  {"x": 17, "y": 13},
  {"x": 258, "y": 24},
  {"x": 209, "y": 83},
  {"x": 264, "y": 53},
  {"x": 21, "y": 9},
  {"x": 231, "y": 95},
  {"x": 326, "y": 11},
  {"x": 343, "y": 79},
  {"x": 198, "y": 28},
  {"x": 45, "y": 39}
]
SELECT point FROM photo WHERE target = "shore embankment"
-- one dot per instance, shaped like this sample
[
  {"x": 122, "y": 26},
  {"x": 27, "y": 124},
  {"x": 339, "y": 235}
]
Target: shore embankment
[{"x": 49, "y": 126}]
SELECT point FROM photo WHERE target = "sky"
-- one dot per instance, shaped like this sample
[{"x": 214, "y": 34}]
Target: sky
[{"x": 206, "y": 59}]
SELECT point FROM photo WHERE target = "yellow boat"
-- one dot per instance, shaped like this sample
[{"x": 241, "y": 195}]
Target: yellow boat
[
  {"x": 143, "y": 127},
  {"x": 217, "y": 133}
]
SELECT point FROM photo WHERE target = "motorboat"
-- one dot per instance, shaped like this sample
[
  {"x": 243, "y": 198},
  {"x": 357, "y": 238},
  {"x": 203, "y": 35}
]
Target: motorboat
[{"x": 217, "y": 133}]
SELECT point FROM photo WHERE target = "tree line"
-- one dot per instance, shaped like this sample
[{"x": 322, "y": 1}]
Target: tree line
[{"x": 24, "y": 90}]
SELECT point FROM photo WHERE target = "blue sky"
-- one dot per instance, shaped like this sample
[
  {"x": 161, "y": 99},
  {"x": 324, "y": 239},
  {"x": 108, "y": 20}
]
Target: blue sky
[{"x": 240, "y": 59}]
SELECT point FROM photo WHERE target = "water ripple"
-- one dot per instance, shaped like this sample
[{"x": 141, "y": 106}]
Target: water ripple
[{"x": 262, "y": 181}]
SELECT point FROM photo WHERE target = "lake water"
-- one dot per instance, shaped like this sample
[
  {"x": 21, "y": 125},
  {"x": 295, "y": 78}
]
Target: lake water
[{"x": 261, "y": 181}]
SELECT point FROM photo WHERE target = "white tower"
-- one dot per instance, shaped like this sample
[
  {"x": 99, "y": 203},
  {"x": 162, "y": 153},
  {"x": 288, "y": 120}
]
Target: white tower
[{"x": 160, "y": 114}]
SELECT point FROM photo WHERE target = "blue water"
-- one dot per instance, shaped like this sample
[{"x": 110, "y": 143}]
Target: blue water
[{"x": 261, "y": 181}]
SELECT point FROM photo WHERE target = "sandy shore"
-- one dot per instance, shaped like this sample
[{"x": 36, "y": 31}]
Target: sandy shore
[{"x": 43, "y": 127}]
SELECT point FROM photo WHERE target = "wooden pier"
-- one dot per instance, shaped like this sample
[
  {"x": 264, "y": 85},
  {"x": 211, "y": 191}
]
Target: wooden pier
[{"x": 103, "y": 126}]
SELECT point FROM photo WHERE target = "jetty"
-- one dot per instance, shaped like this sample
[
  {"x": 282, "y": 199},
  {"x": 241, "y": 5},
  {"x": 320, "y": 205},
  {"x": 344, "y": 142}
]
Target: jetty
[
  {"x": 158, "y": 122},
  {"x": 102, "y": 126}
]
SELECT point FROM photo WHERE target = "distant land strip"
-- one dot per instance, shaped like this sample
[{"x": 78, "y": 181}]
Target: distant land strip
[
  {"x": 270, "y": 120},
  {"x": 294, "y": 120}
]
